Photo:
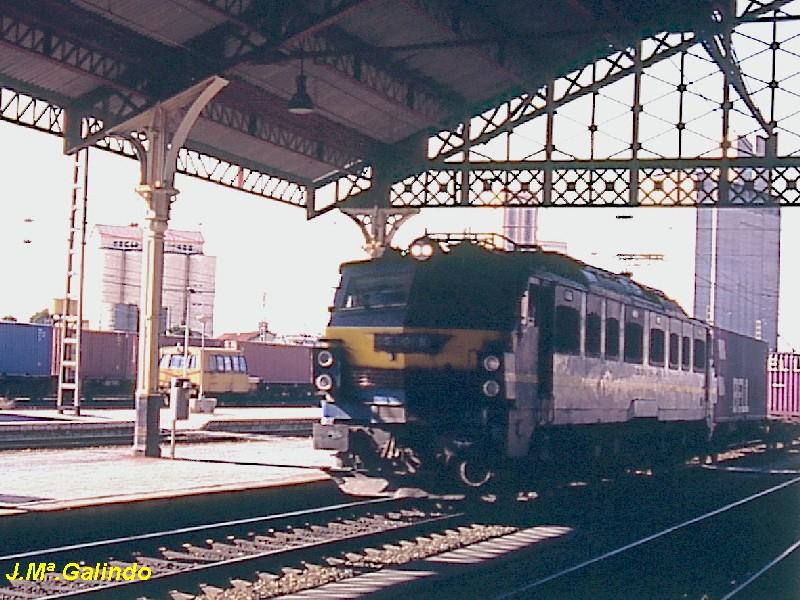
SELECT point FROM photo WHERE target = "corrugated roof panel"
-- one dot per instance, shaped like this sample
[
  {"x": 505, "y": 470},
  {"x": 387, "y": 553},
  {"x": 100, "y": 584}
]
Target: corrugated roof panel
[
  {"x": 342, "y": 99},
  {"x": 466, "y": 71},
  {"x": 38, "y": 71},
  {"x": 172, "y": 22},
  {"x": 240, "y": 144}
]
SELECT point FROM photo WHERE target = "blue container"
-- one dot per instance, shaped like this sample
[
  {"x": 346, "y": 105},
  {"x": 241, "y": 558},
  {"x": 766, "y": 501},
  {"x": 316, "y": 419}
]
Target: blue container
[{"x": 25, "y": 349}]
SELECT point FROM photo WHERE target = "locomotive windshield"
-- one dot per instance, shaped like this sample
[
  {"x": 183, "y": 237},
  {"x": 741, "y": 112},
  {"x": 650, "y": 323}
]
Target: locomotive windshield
[
  {"x": 374, "y": 291},
  {"x": 461, "y": 290}
]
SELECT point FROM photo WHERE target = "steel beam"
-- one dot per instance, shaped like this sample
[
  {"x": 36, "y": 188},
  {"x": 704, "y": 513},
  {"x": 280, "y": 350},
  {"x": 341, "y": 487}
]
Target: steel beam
[{"x": 753, "y": 181}]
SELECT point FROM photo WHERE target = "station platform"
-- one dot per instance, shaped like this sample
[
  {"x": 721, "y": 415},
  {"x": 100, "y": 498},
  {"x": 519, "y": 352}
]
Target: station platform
[
  {"x": 60, "y": 479},
  {"x": 40, "y": 428}
]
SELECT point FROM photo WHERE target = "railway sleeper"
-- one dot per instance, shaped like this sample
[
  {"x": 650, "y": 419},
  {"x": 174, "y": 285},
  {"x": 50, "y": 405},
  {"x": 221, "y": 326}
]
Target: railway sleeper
[
  {"x": 14, "y": 594},
  {"x": 227, "y": 550},
  {"x": 254, "y": 546},
  {"x": 188, "y": 557},
  {"x": 210, "y": 554},
  {"x": 160, "y": 565}
]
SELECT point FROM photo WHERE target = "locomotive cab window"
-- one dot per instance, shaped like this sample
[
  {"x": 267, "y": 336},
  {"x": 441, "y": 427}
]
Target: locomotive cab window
[{"x": 368, "y": 291}]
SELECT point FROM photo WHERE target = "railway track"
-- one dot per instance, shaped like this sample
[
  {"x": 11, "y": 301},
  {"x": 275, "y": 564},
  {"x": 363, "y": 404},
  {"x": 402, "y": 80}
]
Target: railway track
[
  {"x": 186, "y": 558},
  {"x": 702, "y": 556}
]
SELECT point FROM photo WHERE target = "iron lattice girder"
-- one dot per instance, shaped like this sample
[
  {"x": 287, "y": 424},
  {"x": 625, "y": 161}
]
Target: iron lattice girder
[
  {"x": 67, "y": 50},
  {"x": 232, "y": 172},
  {"x": 701, "y": 182},
  {"x": 30, "y": 112},
  {"x": 509, "y": 115}
]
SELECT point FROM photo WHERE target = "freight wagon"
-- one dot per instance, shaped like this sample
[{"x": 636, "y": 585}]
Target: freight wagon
[
  {"x": 283, "y": 371},
  {"x": 29, "y": 365},
  {"x": 25, "y": 351}
]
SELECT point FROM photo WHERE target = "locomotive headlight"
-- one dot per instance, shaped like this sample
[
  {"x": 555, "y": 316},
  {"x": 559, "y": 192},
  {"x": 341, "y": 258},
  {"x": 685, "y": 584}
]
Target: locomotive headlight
[
  {"x": 491, "y": 363},
  {"x": 422, "y": 249},
  {"x": 325, "y": 358},
  {"x": 490, "y": 388},
  {"x": 324, "y": 382}
]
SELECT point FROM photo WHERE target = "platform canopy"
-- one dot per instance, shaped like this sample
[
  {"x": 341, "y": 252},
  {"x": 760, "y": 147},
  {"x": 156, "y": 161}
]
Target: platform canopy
[{"x": 383, "y": 75}]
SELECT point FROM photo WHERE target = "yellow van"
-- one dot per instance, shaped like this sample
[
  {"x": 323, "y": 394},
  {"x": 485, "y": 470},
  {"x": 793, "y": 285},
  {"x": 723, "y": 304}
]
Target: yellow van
[{"x": 211, "y": 371}]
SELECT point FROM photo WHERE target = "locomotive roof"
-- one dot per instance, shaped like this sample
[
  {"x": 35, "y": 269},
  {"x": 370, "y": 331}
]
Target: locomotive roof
[{"x": 465, "y": 258}]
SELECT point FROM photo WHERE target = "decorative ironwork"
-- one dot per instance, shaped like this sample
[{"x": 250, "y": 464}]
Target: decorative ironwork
[
  {"x": 378, "y": 225},
  {"x": 751, "y": 181},
  {"x": 41, "y": 115},
  {"x": 651, "y": 125}
]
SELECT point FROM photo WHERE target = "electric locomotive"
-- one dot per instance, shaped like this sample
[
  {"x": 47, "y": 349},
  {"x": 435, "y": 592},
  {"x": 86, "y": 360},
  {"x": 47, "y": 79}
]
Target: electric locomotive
[{"x": 462, "y": 358}]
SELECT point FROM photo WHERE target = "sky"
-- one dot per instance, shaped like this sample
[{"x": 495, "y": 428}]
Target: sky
[{"x": 267, "y": 250}]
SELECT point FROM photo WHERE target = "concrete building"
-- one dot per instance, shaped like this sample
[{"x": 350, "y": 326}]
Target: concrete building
[
  {"x": 113, "y": 279},
  {"x": 737, "y": 261}
]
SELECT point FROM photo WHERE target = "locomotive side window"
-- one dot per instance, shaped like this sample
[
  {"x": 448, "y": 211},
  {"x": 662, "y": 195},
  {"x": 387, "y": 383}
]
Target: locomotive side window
[
  {"x": 633, "y": 351},
  {"x": 593, "y": 334},
  {"x": 657, "y": 347},
  {"x": 699, "y": 355},
  {"x": 634, "y": 334},
  {"x": 686, "y": 353},
  {"x": 568, "y": 330},
  {"x": 612, "y": 330},
  {"x": 674, "y": 348},
  {"x": 612, "y": 337},
  {"x": 594, "y": 324}
]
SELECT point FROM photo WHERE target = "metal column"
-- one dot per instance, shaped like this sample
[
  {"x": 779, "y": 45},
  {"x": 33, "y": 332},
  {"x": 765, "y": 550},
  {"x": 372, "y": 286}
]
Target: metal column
[{"x": 157, "y": 135}]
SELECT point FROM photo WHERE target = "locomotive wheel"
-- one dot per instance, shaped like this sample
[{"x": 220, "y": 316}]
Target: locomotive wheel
[{"x": 473, "y": 474}]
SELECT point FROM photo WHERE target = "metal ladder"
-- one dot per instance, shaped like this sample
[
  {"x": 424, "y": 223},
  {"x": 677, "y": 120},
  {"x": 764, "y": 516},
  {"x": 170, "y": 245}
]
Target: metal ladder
[{"x": 71, "y": 318}]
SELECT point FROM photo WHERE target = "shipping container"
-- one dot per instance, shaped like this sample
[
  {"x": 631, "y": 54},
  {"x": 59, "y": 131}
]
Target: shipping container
[
  {"x": 277, "y": 363},
  {"x": 104, "y": 354},
  {"x": 740, "y": 367},
  {"x": 783, "y": 384},
  {"x": 25, "y": 349}
]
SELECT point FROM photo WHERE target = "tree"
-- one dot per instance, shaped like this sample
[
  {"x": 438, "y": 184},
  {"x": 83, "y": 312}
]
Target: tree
[
  {"x": 9, "y": 318},
  {"x": 43, "y": 317}
]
